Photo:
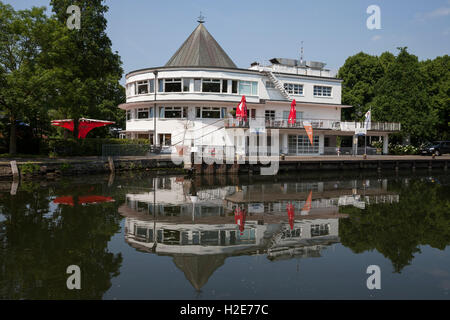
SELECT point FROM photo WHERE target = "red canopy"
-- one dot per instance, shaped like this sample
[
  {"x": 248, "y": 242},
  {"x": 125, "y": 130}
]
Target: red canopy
[
  {"x": 84, "y": 125},
  {"x": 241, "y": 110},
  {"x": 293, "y": 113}
]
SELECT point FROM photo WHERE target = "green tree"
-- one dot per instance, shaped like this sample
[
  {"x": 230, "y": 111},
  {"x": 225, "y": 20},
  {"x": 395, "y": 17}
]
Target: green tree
[
  {"x": 360, "y": 73},
  {"x": 21, "y": 77},
  {"x": 401, "y": 96},
  {"x": 88, "y": 81},
  {"x": 437, "y": 78}
]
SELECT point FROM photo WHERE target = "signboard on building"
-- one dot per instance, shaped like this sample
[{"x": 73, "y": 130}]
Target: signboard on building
[{"x": 257, "y": 126}]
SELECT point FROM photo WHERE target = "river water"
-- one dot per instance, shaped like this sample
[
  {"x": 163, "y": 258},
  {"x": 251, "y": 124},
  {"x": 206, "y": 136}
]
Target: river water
[{"x": 296, "y": 236}]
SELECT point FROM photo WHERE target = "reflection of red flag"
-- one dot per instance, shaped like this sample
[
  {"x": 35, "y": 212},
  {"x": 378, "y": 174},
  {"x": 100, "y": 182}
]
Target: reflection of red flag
[
  {"x": 291, "y": 214},
  {"x": 293, "y": 113},
  {"x": 307, "y": 205},
  {"x": 239, "y": 218},
  {"x": 309, "y": 130},
  {"x": 241, "y": 110}
]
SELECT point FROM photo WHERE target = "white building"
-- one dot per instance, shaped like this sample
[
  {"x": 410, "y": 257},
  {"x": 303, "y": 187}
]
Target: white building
[{"x": 190, "y": 101}]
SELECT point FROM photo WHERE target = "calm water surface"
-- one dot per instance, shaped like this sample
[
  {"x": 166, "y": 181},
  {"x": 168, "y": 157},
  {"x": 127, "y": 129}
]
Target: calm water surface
[{"x": 286, "y": 237}]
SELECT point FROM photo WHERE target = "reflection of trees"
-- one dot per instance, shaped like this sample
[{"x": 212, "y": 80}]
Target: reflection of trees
[
  {"x": 422, "y": 217},
  {"x": 38, "y": 244}
]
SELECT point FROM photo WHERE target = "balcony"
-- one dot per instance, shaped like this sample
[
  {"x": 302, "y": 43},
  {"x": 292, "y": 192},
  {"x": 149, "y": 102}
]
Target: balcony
[{"x": 316, "y": 124}]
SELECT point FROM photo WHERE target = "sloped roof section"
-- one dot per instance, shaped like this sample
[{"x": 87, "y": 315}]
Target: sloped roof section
[{"x": 200, "y": 50}]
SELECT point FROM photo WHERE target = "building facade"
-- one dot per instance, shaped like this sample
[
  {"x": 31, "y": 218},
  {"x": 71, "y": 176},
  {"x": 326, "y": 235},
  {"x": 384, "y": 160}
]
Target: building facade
[{"x": 191, "y": 102}]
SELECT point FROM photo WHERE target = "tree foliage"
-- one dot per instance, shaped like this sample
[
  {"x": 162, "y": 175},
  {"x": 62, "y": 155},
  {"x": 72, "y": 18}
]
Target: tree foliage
[
  {"x": 400, "y": 89},
  {"x": 48, "y": 71},
  {"x": 421, "y": 217}
]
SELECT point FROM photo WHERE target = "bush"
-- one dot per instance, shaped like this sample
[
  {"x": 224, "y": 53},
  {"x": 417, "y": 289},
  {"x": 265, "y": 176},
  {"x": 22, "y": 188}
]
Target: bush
[
  {"x": 398, "y": 149},
  {"x": 86, "y": 147}
]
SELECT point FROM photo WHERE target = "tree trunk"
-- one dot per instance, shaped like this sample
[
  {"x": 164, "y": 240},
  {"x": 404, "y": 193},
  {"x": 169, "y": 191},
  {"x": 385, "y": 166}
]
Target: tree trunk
[
  {"x": 13, "y": 137},
  {"x": 75, "y": 128}
]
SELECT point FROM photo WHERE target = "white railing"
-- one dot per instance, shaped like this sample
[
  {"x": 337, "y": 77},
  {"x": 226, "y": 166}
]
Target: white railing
[{"x": 315, "y": 123}]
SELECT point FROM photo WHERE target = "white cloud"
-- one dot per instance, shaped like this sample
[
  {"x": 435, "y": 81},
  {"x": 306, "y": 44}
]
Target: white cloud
[
  {"x": 440, "y": 12},
  {"x": 376, "y": 37}
]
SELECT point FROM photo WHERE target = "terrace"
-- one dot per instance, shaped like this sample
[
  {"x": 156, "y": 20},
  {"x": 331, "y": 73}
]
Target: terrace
[{"x": 350, "y": 126}]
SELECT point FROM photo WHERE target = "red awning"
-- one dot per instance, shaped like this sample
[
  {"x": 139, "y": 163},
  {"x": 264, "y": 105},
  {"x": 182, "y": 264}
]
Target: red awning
[{"x": 84, "y": 125}]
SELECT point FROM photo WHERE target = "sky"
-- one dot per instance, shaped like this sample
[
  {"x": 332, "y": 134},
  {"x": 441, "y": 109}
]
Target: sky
[{"x": 146, "y": 33}]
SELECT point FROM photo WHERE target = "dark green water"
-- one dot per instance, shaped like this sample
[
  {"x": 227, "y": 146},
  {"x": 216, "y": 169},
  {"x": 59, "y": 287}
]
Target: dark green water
[{"x": 227, "y": 237}]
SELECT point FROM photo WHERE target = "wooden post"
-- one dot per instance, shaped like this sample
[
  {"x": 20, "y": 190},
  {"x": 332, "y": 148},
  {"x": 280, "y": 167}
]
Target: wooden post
[
  {"x": 14, "y": 169},
  {"x": 111, "y": 165}
]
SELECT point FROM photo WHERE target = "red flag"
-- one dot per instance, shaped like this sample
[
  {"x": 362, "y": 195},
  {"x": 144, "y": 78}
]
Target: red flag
[
  {"x": 293, "y": 113},
  {"x": 291, "y": 215},
  {"x": 239, "y": 218},
  {"x": 309, "y": 130},
  {"x": 241, "y": 110}
]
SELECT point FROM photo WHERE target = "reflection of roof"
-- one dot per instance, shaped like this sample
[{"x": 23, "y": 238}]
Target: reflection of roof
[
  {"x": 198, "y": 269},
  {"x": 200, "y": 50}
]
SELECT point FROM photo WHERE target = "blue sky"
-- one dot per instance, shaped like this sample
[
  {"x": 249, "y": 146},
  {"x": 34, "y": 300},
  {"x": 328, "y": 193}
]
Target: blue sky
[{"x": 146, "y": 33}]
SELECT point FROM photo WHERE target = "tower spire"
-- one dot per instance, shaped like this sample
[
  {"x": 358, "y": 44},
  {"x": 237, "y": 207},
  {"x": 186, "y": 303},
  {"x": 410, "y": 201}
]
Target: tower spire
[{"x": 201, "y": 18}]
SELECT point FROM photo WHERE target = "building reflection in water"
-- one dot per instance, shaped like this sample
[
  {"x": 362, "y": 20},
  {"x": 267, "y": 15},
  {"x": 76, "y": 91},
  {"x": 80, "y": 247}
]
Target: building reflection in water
[{"x": 201, "y": 227}]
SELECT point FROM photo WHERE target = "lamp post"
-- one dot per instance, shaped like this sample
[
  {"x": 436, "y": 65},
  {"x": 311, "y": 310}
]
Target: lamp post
[{"x": 155, "y": 140}]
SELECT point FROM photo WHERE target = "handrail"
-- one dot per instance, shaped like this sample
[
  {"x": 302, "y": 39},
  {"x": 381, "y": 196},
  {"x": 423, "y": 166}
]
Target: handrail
[{"x": 283, "y": 123}]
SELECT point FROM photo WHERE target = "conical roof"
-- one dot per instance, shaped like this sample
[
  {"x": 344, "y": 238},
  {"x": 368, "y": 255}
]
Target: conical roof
[
  {"x": 198, "y": 269},
  {"x": 200, "y": 50}
]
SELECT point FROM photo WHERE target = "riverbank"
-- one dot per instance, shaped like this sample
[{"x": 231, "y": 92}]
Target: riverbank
[{"x": 29, "y": 168}]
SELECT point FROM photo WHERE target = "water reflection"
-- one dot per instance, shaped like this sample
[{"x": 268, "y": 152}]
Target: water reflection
[
  {"x": 200, "y": 225},
  {"x": 210, "y": 223}
]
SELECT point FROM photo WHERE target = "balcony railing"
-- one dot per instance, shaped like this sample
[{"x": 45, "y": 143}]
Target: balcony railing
[{"x": 315, "y": 123}]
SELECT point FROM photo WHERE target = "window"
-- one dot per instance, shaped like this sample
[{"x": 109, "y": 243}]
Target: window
[
  {"x": 302, "y": 145},
  {"x": 270, "y": 85},
  {"x": 293, "y": 88},
  {"x": 172, "y": 85},
  {"x": 234, "y": 86},
  {"x": 173, "y": 112},
  {"x": 211, "y": 85},
  {"x": 164, "y": 139},
  {"x": 142, "y": 87},
  {"x": 248, "y": 88},
  {"x": 197, "y": 85},
  {"x": 186, "y": 83},
  {"x": 320, "y": 230},
  {"x": 129, "y": 114},
  {"x": 224, "y": 86},
  {"x": 270, "y": 114},
  {"x": 143, "y": 113},
  {"x": 152, "y": 85},
  {"x": 209, "y": 112},
  {"x": 253, "y": 113},
  {"x": 161, "y": 85},
  {"x": 320, "y": 91}
]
